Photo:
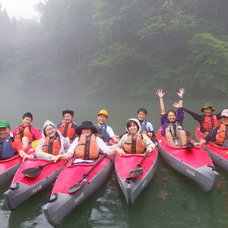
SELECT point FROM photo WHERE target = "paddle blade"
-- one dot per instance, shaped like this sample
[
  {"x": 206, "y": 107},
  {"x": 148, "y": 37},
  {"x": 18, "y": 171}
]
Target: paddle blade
[
  {"x": 135, "y": 173},
  {"x": 31, "y": 172},
  {"x": 74, "y": 188}
]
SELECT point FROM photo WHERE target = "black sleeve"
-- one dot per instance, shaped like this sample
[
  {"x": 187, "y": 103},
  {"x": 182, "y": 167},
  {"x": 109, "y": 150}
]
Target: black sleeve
[{"x": 196, "y": 116}]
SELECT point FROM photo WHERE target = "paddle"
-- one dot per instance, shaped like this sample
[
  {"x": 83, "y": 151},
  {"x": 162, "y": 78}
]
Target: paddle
[
  {"x": 74, "y": 188},
  {"x": 138, "y": 171},
  {"x": 35, "y": 171}
]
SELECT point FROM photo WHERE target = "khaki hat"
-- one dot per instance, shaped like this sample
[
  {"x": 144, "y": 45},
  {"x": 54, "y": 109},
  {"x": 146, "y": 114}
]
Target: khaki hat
[
  {"x": 224, "y": 113},
  {"x": 207, "y": 105}
]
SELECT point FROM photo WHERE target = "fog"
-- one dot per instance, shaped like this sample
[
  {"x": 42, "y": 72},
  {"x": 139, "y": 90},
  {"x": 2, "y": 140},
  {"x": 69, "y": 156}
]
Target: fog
[{"x": 82, "y": 52}]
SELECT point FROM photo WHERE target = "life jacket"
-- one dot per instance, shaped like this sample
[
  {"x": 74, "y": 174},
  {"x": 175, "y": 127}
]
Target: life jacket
[
  {"x": 51, "y": 147},
  {"x": 87, "y": 147},
  {"x": 173, "y": 128},
  {"x": 134, "y": 145},
  {"x": 67, "y": 129},
  {"x": 24, "y": 131},
  {"x": 221, "y": 137},
  {"x": 144, "y": 128},
  {"x": 6, "y": 148},
  {"x": 102, "y": 132},
  {"x": 210, "y": 122}
]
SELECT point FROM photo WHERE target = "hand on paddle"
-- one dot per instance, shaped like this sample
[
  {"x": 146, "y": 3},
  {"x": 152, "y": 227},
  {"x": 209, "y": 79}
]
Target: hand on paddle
[{"x": 56, "y": 158}]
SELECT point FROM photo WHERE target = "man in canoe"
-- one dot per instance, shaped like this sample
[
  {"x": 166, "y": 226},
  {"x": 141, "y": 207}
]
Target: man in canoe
[
  {"x": 134, "y": 141},
  {"x": 87, "y": 146},
  {"x": 8, "y": 146},
  {"x": 26, "y": 133},
  {"x": 218, "y": 135},
  {"x": 146, "y": 127},
  {"x": 172, "y": 121},
  {"x": 103, "y": 130},
  {"x": 67, "y": 126},
  {"x": 208, "y": 120},
  {"x": 52, "y": 142}
]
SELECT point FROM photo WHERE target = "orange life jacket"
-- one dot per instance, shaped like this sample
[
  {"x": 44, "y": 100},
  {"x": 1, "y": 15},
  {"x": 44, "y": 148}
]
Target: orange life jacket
[
  {"x": 87, "y": 147},
  {"x": 221, "y": 134},
  {"x": 67, "y": 129},
  {"x": 210, "y": 122},
  {"x": 24, "y": 131},
  {"x": 134, "y": 145},
  {"x": 51, "y": 147}
]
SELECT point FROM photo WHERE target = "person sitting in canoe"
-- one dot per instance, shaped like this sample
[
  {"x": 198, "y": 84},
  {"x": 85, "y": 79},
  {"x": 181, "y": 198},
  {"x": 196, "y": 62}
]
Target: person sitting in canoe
[
  {"x": 146, "y": 127},
  {"x": 52, "y": 142},
  {"x": 172, "y": 122},
  {"x": 218, "y": 135},
  {"x": 67, "y": 127},
  {"x": 104, "y": 131},
  {"x": 8, "y": 146},
  {"x": 134, "y": 141},
  {"x": 208, "y": 120},
  {"x": 87, "y": 146},
  {"x": 26, "y": 133}
]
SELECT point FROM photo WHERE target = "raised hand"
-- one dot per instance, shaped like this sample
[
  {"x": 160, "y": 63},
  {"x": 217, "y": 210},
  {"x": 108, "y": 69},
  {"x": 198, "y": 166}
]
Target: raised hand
[
  {"x": 160, "y": 93},
  {"x": 177, "y": 104},
  {"x": 181, "y": 92}
]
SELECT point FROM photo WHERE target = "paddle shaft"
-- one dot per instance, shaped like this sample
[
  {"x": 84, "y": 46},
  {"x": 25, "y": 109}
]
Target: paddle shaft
[{"x": 83, "y": 181}]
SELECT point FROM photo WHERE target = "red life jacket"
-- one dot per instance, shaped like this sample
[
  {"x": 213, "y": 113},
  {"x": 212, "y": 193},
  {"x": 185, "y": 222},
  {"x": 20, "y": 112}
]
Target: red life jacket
[
  {"x": 221, "y": 134},
  {"x": 210, "y": 122},
  {"x": 23, "y": 131},
  {"x": 134, "y": 145},
  {"x": 87, "y": 147},
  {"x": 51, "y": 147},
  {"x": 67, "y": 129}
]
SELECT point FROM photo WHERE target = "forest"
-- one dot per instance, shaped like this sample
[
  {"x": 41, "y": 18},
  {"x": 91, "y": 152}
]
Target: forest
[{"x": 116, "y": 48}]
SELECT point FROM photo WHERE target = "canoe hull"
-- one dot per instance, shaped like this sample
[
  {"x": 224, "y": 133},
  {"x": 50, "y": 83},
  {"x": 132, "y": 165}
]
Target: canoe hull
[
  {"x": 62, "y": 203},
  {"x": 8, "y": 169},
  {"x": 22, "y": 188},
  {"x": 194, "y": 163},
  {"x": 218, "y": 154},
  {"x": 132, "y": 188}
]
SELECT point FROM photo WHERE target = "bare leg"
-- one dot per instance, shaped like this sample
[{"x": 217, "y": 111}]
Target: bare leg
[
  {"x": 183, "y": 138},
  {"x": 169, "y": 138},
  {"x": 25, "y": 142}
]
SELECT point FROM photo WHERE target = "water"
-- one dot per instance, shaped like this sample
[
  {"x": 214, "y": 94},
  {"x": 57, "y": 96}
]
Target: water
[{"x": 170, "y": 200}]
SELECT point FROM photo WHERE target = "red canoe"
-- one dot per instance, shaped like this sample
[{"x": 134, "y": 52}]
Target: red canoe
[
  {"x": 23, "y": 187},
  {"x": 124, "y": 164},
  {"x": 194, "y": 163},
  {"x": 8, "y": 168},
  {"x": 218, "y": 154},
  {"x": 61, "y": 203}
]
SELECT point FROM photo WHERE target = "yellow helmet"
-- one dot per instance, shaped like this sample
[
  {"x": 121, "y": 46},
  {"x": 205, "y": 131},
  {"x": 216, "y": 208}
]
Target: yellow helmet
[{"x": 103, "y": 112}]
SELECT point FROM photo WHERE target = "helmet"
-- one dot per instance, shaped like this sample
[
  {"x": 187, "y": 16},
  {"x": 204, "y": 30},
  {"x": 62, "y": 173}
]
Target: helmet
[{"x": 103, "y": 112}]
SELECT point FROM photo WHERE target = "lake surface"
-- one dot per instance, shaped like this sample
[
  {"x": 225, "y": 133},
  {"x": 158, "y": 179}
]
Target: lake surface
[{"x": 170, "y": 200}]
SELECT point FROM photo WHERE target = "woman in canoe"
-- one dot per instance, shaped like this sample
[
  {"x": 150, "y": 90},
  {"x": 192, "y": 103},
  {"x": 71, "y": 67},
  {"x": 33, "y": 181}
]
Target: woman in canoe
[
  {"x": 208, "y": 120},
  {"x": 218, "y": 135},
  {"x": 52, "y": 142},
  {"x": 172, "y": 121},
  {"x": 134, "y": 142},
  {"x": 87, "y": 146}
]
